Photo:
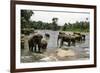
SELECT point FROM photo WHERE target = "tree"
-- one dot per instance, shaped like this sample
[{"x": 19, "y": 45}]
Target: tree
[
  {"x": 25, "y": 21},
  {"x": 54, "y": 23},
  {"x": 65, "y": 27},
  {"x": 25, "y": 16}
]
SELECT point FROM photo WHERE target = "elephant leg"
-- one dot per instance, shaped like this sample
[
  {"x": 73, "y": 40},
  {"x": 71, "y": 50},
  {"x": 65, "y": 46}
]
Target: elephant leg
[
  {"x": 57, "y": 42},
  {"x": 39, "y": 48},
  {"x": 44, "y": 47},
  {"x": 77, "y": 40},
  {"x": 80, "y": 39},
  {"x": 73, "y": 42},
  {"x": 35, "y": 48},
  {"x": 69, "y": 43},
  {"x": 32, "y": 49},
  {"x": 84, "y": 38},
  {"x": 61, "y": 43}
]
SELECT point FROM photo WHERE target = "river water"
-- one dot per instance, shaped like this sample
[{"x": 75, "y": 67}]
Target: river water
[
  {"x": 81, "y": 49},
  {"x": 52, "y": 43}
]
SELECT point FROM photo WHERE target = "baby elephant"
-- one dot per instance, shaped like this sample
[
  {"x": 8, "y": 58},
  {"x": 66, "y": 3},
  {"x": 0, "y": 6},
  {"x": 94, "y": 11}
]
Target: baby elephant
[
  {"x": 44, "y": 45},
  {"x": 44, "y": 42}
]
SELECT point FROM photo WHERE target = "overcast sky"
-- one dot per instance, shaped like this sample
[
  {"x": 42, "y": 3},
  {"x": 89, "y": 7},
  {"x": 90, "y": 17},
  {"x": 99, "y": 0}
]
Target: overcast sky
[{"x": 63, "y": 17}]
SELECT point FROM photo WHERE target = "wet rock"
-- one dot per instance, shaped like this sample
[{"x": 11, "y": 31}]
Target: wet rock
[
  {"x": 50, "y": 58},
  {"x": 37, "y": 56},
  {"x": 65, "y": 53},
  {"x": 25, "y": 59}
]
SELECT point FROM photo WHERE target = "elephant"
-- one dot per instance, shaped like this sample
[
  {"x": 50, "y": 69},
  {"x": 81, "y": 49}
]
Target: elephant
[
  {"x": 73, "y": 39},
  {"x": 38, "y": 40},
  {"x": 78, "y": 33},
  {"x": 34, "y": 42},
  {"x": 79, "y": 36},
  {"x": 70, "y": 38},
  {"x": 83, "y": 37},
  {"x": 66, "y": 38},
  {"x": 60, "y": 36},
  {"x": 47, "y": 36},
  {"x": 44, "y": 42}
]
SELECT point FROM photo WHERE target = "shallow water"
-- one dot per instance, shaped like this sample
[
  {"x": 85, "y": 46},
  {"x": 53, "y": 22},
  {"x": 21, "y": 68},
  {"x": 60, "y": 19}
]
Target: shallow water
[
  {"x": 52, "y": 43},
  {"x": 81, "y": 49}
]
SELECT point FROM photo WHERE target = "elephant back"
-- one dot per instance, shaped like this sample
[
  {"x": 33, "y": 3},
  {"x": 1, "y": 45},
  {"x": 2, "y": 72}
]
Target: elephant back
[{"x": 37, "y": 38}]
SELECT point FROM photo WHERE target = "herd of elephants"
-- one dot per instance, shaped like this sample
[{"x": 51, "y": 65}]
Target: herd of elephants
[{"x": 40, "y": 42}]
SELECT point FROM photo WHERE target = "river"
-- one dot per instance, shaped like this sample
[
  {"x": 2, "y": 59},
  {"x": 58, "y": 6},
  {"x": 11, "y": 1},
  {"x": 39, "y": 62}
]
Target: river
[{"x": 82, "y": 49}]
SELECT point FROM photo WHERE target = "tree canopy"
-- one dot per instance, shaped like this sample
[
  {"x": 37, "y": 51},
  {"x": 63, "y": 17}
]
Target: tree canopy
[
  {"x": 25, "y": 16},
  {"x": 27, "y": 24}
]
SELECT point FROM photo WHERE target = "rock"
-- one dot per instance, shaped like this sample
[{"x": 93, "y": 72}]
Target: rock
[
  {"x": 25, "y": 59},
  {"x": 37, "y": 56},
  {"x": 65, "y": 53},
  {"x": 50, "y": 58}
]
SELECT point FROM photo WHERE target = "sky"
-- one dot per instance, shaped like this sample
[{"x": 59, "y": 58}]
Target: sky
[{"x": 63, "y": 16}]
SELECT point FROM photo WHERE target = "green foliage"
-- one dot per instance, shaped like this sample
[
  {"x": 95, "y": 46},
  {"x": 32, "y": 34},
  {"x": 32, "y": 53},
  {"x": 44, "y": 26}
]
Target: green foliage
[
  {"x": 78, "y": 26},
  {"x": 27, "y": 26},
  {"x": 25, "y": 22},
  {"x": 25, "y": 16},
  {"x": 44, "y": 25},
  {"x": 65, "y": 27}
]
